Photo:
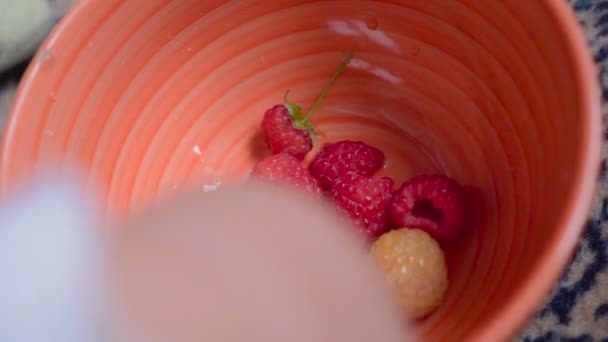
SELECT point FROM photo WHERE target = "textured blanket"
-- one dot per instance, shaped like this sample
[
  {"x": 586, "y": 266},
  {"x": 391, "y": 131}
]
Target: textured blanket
[{"x": 578, "y": 308}]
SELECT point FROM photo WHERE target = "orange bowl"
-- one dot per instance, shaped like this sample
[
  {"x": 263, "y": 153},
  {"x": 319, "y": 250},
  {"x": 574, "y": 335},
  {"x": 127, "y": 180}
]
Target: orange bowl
[{"x": 153, "y": 96}]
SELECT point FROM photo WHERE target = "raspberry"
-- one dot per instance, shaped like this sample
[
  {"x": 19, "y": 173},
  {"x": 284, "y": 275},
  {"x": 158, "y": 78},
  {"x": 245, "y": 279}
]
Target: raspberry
[
  {"x": 281, "y": 135},
  {"x": 366, "y": 200},
  {"x": 414, "y": 265},
  {"x": 336, "y": 159},
  {"x": 286, "y": 169},
  {"x": 433, "y": 203},
  {"x": 287, "y": 129}
]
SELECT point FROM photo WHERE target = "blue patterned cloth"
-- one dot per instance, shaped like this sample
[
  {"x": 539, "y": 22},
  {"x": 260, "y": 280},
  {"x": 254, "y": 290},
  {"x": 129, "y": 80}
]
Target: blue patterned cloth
[{"x": 578, "y": 309}]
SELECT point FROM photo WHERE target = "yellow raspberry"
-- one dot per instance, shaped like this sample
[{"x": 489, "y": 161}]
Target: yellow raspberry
[{"x": 413, "y": 264}]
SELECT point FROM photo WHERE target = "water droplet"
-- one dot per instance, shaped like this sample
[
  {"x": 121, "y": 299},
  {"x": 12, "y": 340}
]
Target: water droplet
[
  {"x": 371, "y": 20},
  {"x": 211, "y": 187},
  {"x": 197, "y": 150},
  {"x": 262, "y": 59},
  {"x": 415, "y": 51},
  {"x": 53, "y": 96},
  {"x": 45, "y": 57}
]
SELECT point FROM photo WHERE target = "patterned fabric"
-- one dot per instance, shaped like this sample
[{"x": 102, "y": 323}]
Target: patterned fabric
[{"x": 578, "y": 309}]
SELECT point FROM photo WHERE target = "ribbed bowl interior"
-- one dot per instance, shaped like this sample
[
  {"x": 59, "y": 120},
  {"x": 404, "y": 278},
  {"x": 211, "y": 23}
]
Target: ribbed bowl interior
[{"x": 153, "y": 96}]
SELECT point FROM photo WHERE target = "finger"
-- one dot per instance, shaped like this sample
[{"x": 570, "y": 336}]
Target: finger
[{"x": 251, "y": 264}]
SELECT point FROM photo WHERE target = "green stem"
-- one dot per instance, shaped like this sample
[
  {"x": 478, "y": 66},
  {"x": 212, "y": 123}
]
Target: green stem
[{"x": 328, "y": 86}]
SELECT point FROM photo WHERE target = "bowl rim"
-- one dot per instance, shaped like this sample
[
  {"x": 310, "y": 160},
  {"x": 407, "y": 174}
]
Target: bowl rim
[
  {"x": 548, "y": 269},
  {"x": 530, "y": 295}
]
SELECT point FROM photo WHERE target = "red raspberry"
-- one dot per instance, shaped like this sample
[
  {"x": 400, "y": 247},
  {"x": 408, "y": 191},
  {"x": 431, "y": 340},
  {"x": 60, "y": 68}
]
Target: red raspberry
[
  {"x": 287, "y": 129},
  {"x": 336, "y": 159},
  {"x": 433, "y": 203},
  {"x": 281, "y": 134},
  {"x": 366, "y": 199},
  {"x": 286, "y": 169}
]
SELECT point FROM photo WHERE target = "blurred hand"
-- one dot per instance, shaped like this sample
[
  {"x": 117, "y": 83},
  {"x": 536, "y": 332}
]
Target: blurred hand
[{"x": 248, "y": 265}]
